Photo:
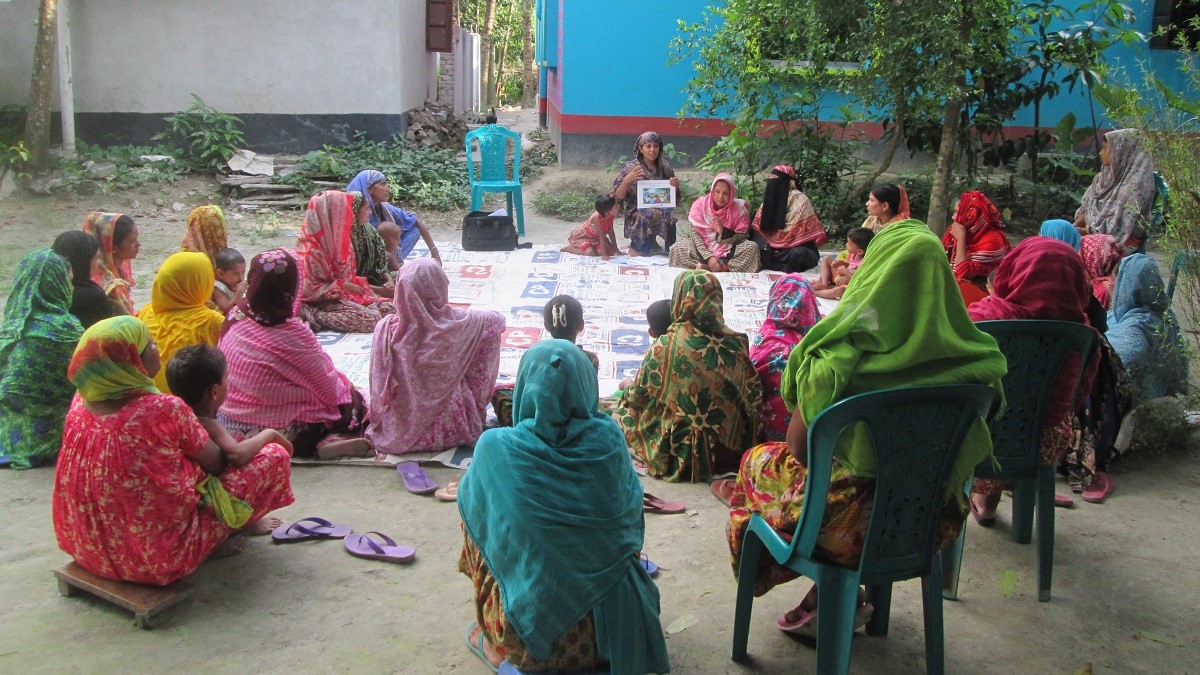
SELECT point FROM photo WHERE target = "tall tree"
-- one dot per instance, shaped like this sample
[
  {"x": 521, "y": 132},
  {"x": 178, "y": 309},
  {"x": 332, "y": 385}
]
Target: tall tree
[
  {"x": 529, "y": 74},
  {"x": 41, "y": 88},
  {"x": 485, "y": 46}
]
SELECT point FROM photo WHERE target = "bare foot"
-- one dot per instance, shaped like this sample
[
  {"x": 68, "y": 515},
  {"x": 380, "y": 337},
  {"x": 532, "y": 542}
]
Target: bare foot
[
  {"x": 488, "y": 650},
  {"x": 231, "y": 546},
  {"x": 261, "y": 527},
  {"x": 351, "y": 447}
]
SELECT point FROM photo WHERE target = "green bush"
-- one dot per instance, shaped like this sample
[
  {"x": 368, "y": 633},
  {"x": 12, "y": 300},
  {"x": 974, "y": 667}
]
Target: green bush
[
  {"x": 569, "y": 205},
  {"x": 208, "y": 137}
]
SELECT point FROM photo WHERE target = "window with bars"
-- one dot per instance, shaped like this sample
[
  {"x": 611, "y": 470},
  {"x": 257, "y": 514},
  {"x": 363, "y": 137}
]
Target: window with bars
[{"x": 1173, "y": 18}]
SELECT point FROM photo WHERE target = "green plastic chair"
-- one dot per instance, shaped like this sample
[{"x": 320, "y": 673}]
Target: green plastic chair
[
  {"x": 1187, "y": 261},
  {"x": 493, "y": 142},
  {"x": 912, "y": 470},
  {"x": 1036, "y": 351}
]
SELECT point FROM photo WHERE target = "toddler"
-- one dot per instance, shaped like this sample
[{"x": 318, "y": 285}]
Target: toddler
[
  {"x": 836, "y": 272},
  {"x": 391, "y": 234},
  {"x": 230, "y": 284},
  {"x": 595, "y": 236},
  {"x": 658, "y": 318},
  {"x": 563, "y": 317}
]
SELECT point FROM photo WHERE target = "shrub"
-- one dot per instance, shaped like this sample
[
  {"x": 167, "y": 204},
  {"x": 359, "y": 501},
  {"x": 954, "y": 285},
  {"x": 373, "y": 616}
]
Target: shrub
[
  {"x": 208, "y": 137},
  {"x": 570, "y": 205}
]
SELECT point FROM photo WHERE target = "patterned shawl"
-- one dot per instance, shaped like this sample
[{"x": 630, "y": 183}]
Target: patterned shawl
[
  {"x": 986, "y": 243},
  {"x": 176, "y": 315},
  {"x": 116, "y": 281},
  {"x": 696, "y": 388},
  {"x": 733, "y": 217},
  {"x": 37, "y": 312},
  {"x": 205, "y": 232},
  {"x": 1061, "y": 230},
  {"x": 325, "y": 248},
  {"x": 1145, "y": 333},
  {"x": 370, "y": 252},
  {"x": 420, "y": 356},
  {"x": 107, "y": 364},
  {"x": 901, "y": 323},
  {"x": 786, "y": 218},
  {"x": 1119, "y": 200},
  {"x": 791, "y": 312},
  {"x": 1100, "y": 254}
]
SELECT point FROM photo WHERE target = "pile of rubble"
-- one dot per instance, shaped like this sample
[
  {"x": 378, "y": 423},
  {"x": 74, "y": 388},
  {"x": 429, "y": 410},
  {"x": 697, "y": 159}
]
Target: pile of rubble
[{"x": 435, "y": 126}]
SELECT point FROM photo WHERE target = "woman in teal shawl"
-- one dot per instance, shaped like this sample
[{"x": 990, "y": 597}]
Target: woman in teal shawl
[
  {"x": 37, "y": 339},
  {"x": 901, "y": 323},
  {"x": 1145, "y": 333},
  {"x": 553, "y": 525}
]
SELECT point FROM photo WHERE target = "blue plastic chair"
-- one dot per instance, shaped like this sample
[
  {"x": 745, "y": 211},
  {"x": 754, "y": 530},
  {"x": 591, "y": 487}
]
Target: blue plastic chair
[
  {"x": 912, "y": 470},
  {"x": 1187, "y": 261},
  {"x": 1036, "y": 351},
  {"x": 493, "y": 173}
]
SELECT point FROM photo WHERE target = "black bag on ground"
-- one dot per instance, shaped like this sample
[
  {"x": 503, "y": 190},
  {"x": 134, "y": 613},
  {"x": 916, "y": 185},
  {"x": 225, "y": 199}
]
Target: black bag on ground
[{"x": 482, "y": 232}]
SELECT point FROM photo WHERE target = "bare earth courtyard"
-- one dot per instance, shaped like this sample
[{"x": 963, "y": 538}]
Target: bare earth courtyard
[{"x": 1126, "y": 587}]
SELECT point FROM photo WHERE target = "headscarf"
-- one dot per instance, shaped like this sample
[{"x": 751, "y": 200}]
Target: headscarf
[
  {"x": 1100, "y": 253},
  {"x": 1061, "y": 230},
  {"x": 903, "y": 212},
  {"x": 420, "y": 356},
  {"x": 734, "y": 217},
  {"x": 986, "y": 243},
  {"x": 901, "y": 323},
  {"x": 116, "y": 281},
  {"x": 107, "y": 364},
  {"x": 380, "y": 211},
  {"x": 271, "y": 289},
  {"x": 571, "y": 483},
  {"x": 786, "y": 218},
  {"x": 1145, "y": 333},
  {"x": 662, "y": 164},
  {"x": 791, "y": 312},
  {"x": 176, "y": 315},
  {"x": 39, "y": 303},
  {"x": 1119, "y": 200},
  {"x": 370, "y": 251},
  {"x": 326, "y": 251},
  {"x": 205, "y": 232},
  {"x": 696, "y": 389}
]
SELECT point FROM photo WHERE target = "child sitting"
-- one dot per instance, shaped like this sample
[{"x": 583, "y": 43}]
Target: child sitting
[
  {"x": 658, "y": 318},
  {"x": 230, "y": 285},
  {"x": 595, "y": 236},
  {"x": 391, "y": 234},
  {"x": 563, "y": 317},
  {"x": 836, "y": 272},
  {"x": 196, "y": 374}
]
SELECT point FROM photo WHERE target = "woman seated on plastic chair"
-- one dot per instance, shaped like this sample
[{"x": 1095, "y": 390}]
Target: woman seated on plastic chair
[{"x": 901, "y": 323}]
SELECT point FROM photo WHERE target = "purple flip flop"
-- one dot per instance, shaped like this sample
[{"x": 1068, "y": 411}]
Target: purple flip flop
[
  {"x": 386, "y": 549},
  {"x": 307, "y": 529},
  {"x": 416, "y": 480}
]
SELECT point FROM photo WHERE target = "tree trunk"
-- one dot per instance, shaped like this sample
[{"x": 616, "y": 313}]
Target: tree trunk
[
  {"x": 485, "y": 47},
  {"x": 939, "y": 198},
  {"x": 901, "y": 114},
  {"x": 529, "y": 74},
  {"x": 41, "y": 88}
]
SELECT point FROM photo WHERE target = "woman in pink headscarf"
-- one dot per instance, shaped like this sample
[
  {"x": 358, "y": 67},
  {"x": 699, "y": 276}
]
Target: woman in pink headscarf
[
  {"x": 718, "y": 240},
  {"x": 433, "y": 366}
]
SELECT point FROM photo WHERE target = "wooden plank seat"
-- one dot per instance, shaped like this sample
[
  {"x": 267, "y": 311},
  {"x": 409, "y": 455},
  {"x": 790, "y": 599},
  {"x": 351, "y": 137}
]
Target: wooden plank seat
[{"x": 146, "y": 602}]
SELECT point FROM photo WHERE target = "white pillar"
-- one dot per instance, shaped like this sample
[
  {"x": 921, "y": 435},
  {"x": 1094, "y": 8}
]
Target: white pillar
[{"x": 66, "y": 80}]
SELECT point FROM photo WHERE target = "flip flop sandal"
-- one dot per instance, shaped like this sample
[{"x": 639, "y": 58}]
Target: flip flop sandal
[
  {"x": 307, "y": 529},
  {"x": 416, "y": 480},
  {"x": 448, "y": 493},
  {"x": 723, "y": 489},
  {"x": 806, "y": 627},
  {"x": 1100, "y": 488},
  {"x": 1063, "y": 502},
  {"x": 363, "y": 546},
  {"x": 477, "y": 646},
  {"x": 650, "y": 567},
  {"x": 652, "y": 504}
]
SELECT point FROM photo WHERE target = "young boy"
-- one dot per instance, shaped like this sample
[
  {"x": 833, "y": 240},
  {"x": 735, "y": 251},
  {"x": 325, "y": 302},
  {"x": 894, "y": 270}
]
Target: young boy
[
  {"x": 230, "y": 285},
  {"x": 391, "y": 234},
  {"x": 836, "y": 272},
  {"x": 658, "y": 316},
  {"x": 595, "y": 236}
]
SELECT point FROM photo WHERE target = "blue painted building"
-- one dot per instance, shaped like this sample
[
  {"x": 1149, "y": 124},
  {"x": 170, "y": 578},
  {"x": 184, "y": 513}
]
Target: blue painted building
[{"x": 604, "y": 76}]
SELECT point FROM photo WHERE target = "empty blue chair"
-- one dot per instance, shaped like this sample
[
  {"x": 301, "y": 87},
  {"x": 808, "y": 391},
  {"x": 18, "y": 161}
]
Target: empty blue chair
[
  {"x": 917, "y": 433},
  {"x": 493, "y": 169},
  {"x": 1036, "y": 351}
]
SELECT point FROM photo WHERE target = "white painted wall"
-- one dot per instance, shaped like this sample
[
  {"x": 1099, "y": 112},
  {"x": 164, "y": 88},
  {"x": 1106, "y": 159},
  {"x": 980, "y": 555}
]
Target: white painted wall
[{"x": 240, "y": 56}]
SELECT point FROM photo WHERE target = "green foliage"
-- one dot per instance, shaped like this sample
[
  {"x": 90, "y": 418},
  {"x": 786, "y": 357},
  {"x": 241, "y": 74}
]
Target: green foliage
[
  {"x": 13, "y": 152},
  {"x": 208, "y": 137},
  {"x": 571, "y": 204}
]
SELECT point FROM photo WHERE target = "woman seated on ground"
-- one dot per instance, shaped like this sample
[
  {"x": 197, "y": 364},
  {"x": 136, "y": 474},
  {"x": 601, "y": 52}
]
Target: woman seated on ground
[
  {"x": 585, "y": 600},
  {"x": 643, "y": 225},
  {"x": 205, "y": 232},
  {"x": 374, "y": 187},
  {"x": 141, "y": 494},
  {"x": 1101, "y": 254},
  {"x": 901, "y": 323},
  {"x": 177, "y": 316},
  {"x": 433, "y": 366},
  {"x": 335, "y": 297},
  {"x": 975, "y": 243},
  {"x": 1044, "y": 279},
  {"x": 279, "y": 377},
  {"x": 718, "y": 239},
  {"x": 692, "y": 410},
  {"x": 1121, "y": 196},
  {"x": 37, "y": 338},
  {"x": 119, "y": 245},
  {"x": 786, "y": 228},
  {"x": 894, "y": 197},
  {"x": 1145, "y": 333},
  {"x": 791, "y": 312},
  {"x": 82, "y": 251},
  {"x": 371, "y": 251}
]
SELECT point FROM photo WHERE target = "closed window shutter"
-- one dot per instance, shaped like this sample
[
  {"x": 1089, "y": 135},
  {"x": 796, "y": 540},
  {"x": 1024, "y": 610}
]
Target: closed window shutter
[{"x": 439, "y": 24}]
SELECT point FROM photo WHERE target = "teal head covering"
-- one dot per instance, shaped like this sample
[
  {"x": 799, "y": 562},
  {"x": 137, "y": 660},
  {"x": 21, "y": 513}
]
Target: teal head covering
[
  {"x": 561, "y": 538},
  {"x": 1061, "y": 230}
]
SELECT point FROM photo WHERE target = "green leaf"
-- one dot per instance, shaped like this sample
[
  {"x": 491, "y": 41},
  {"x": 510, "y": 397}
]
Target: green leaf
[
  {"x": 1159, "y": 637},
  {"x": 1008, "y": 582}
]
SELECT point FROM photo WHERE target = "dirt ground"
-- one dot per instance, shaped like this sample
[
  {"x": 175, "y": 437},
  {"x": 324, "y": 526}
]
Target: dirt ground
[{"x": 1125, "y": 586}]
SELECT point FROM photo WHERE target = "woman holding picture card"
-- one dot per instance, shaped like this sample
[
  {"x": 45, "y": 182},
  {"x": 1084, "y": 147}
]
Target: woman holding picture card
[{"x": 642, "y": 225}]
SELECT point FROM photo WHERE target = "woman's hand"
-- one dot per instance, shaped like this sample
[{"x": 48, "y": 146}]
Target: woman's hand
[
  {"x": 958, "y": 230},
  {"x": 334, "y": 293},
  {"x": 433, "y": 253},
  {"x": 635, "y": 175},
  {"x": 351, "y": 287},
  {"x": 674, "y": 182}
]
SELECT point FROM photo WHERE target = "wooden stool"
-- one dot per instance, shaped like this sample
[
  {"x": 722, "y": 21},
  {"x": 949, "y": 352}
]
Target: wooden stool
[{"x": 146, "y": 602}]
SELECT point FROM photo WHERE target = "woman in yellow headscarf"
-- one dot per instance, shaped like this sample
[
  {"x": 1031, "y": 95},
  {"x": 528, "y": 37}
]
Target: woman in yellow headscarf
[{"x": 176, "y": 315}]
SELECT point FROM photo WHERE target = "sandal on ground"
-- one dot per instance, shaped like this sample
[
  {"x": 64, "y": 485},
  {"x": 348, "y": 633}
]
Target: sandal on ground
[
  {"x": 1064, "y": 501},
  {"x": 448, "y": 493},
  {"x": 652, "y": 504},
  {"x": 806, "y": 625},
  {"x": 723, "y": 489},
  {"x": 379, "y": 547},
  {"x": 1099, "y": 489},
  {"x": 307, "y": 529}
]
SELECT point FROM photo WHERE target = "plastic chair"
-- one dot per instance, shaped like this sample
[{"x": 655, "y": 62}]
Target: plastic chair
[
  {"x": 1160, "y": 211},
  {"x": 912, "y": 470},
  {"x": 1187, "y": 261},
  {"x": 1036, "y": 351},
  {"x": 493, "y": 175}
]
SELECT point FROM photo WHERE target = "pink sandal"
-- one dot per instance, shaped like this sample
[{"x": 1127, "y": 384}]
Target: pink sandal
[{"x": 1099, "y": 489}]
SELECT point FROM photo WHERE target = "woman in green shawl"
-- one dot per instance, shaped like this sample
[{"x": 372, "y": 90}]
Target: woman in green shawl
[
  {"x": 692, "y": 410},
  {"x": 37, "y": 339},
  {"x": 901, "y": 323},
  {"x": 553, "y": 555}
]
